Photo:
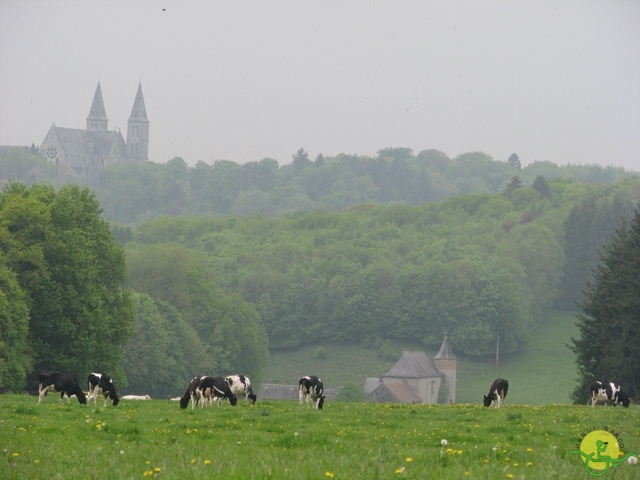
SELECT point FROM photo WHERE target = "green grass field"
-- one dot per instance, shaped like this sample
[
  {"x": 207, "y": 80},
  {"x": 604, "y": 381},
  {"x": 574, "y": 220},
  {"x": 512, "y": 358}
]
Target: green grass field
[
  {"x": 280, "y": 440},
  {"x": 545, "y": 357}
]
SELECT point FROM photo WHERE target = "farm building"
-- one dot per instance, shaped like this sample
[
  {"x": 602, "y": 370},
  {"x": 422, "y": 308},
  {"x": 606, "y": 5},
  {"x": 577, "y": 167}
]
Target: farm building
[{"x": 416, "y": 378}]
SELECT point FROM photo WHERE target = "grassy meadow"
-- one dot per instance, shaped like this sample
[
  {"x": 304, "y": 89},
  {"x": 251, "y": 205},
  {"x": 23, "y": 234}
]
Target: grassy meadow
[{"x": 279, "y": 439}]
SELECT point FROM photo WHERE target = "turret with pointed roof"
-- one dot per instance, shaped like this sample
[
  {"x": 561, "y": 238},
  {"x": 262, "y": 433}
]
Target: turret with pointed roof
[
  {"x": 97, "y": 120},
  {"x": 446, "y": 362},
  {"x": 138, "y": 129}
]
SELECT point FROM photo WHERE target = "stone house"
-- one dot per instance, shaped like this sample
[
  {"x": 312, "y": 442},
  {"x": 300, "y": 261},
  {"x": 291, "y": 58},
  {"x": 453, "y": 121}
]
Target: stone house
[{"x": 416, "y": 378}]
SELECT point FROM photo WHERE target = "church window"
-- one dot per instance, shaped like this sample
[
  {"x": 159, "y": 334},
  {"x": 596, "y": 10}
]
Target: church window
[{"x": 51, "y": 153}]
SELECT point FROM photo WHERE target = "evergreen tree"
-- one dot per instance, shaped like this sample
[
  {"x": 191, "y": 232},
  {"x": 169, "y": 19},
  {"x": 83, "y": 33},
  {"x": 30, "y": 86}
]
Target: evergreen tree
[{"x": 609, "y": 343}]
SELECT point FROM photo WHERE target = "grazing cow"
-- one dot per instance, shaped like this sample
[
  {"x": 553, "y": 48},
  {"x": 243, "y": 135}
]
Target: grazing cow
[
  {"x": 206, "y": 389},
  {"x": 241, "y": 385},
  {"x": 310, "y": 390},
  {"x": 99, "y": 383},
  {"x": 64, "y": 383},
  {"x": 497, "y": 392},
  {"x": 221, "y": 390},
  {"x": 194, "y": 393},
  {"x": 139, "y": 397},
  {"x": 608, "y": 392}
]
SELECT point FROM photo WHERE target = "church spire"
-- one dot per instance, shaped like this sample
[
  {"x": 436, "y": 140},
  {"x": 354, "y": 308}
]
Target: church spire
[
  {"x": 138, "y": 129},
  {"x": 97, "y": 119}
]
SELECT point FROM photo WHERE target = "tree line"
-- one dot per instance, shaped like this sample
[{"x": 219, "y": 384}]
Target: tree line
[{"x": 132, "y": 192}]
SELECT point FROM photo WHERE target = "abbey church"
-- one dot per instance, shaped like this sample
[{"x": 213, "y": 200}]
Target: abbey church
[{"x": 87, "y": 152}]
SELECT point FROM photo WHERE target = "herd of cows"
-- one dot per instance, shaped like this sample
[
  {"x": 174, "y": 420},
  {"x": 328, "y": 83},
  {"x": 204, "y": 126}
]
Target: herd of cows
[{"x": 203, "y": 390}]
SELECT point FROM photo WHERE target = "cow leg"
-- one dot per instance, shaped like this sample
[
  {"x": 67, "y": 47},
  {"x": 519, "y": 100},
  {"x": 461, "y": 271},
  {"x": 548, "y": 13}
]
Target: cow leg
[{"x": 42, "y": 392}]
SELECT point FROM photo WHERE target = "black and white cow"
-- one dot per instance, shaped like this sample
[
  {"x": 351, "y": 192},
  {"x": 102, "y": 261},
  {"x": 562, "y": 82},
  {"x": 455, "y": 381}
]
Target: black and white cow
[
  {"x": 101, "y": 384},
  {"x": 64, "y": 383},
  {"x": 241, "y": 385},
  {"x": 205, "y": 389},
  {"x": 497, "y": 392},
  {"x": 221, "y": 390},
  {"x": 195, "y": 392},
  {"x": 310, "y": 390},
  {"x": 608, "y": 392}
]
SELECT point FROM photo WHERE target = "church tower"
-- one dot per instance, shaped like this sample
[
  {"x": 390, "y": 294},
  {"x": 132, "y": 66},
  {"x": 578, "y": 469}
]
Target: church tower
[
  {"x": 446, "y": 362},
  {"x": 97, "y": 120},
  {"x": 138, "y": 129}
]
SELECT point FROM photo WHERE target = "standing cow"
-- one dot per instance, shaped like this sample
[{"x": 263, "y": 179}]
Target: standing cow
[
  {"x": 497, "y": 392},
  {"x": 310, "y": 390},
  {"x": 608, "y": 392},
  {"x": 241, "y": 385},
  {"x": 64, "y": 383},
  {"x": 99, "y": 383}
]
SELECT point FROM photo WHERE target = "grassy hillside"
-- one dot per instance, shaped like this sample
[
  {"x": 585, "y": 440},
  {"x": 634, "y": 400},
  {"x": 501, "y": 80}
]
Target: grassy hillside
[{"x": 546, "y": 357}]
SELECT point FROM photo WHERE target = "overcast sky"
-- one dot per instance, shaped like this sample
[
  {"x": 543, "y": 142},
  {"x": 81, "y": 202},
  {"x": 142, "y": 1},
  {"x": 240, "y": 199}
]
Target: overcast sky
[{"x": 244, "y": 80}]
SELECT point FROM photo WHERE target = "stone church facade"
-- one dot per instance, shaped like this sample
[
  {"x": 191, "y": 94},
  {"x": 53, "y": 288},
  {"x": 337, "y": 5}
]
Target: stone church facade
[{"x": 87, "y": 152}]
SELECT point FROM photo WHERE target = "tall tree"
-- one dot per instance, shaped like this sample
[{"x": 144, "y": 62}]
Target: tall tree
[
  {"x": 609, "y": 325},
  {"x": 514, "y": 161},
  {"x": 71, "y": 269}
]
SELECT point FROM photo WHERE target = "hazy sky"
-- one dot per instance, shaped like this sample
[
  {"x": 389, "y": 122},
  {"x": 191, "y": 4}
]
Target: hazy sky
[{"x": 244, "y": 80}]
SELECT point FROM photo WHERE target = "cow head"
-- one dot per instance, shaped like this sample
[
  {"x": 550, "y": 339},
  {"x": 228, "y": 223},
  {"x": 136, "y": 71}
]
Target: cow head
[
  {"x": 321, "y": 402},
  {"x": 624, "y": 399},
  {"x": 233, "y": 399},
  {"x": 487, "y": 400},
  {"x": 253, "y": 398}
]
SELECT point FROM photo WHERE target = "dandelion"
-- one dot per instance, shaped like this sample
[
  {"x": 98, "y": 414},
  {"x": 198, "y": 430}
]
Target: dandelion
[
  {"x": 444, "y": 442},
  {"x": 193, "y": 460},
  {"x": 148, "y": 473},
  {"x": 328, "y": 474},
  {"x": 515, "y": 465},
  {"x": 16, "y": 454},
  {"x": 157, "y": 470},
  {"x": 400, "y": 470},
  {"x": 529, "y": 464},
  {"x": 529, "y": 449},
  {"x": 36, "y": 461},
  {"x": 409, "y": 459},
  {"x": 207, "y": 462},
  {"x": 509, "y": 475}
]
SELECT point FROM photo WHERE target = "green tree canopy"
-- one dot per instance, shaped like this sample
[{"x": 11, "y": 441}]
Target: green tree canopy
[{"x": 65, "y": 260}]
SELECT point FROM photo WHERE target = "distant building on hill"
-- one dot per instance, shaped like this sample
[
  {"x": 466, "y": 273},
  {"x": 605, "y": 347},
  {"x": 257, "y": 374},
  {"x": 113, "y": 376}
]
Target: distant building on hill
[
  {"x": 415, "y": 378},
  {"x": 87, "y": 152}
]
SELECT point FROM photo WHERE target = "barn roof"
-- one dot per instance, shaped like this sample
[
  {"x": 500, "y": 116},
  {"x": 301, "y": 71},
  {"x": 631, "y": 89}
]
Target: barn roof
[{"x": 413, "y": 365}]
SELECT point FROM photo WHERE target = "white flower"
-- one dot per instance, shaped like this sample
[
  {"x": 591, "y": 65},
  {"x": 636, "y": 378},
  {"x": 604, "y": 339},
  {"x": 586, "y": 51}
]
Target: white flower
[
  {"x": 632, "y": 460},
  {"x": 444, "y": 442}
]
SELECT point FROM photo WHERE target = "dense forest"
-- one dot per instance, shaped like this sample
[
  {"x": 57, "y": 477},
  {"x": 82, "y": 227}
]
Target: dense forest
[{"x": 224, "y": 262}]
